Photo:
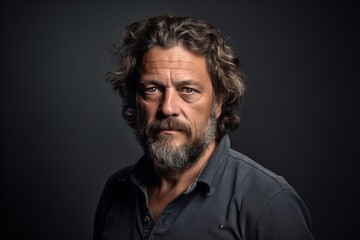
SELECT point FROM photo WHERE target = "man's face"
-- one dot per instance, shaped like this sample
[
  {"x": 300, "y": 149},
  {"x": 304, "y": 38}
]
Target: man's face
[{"x": 177, "y": 112}]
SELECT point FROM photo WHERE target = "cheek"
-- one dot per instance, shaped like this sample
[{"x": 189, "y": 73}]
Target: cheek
[
  {"x": 147, "y": 112},
  {"x": 200, "y": 117}
]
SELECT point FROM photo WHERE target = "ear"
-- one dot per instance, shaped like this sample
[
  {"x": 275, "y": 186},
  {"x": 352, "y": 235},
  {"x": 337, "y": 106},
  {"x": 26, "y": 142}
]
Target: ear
[{"x": 219, "y": 103}]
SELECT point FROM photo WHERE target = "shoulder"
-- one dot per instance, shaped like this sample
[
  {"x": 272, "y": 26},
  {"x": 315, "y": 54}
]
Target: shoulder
[
  {"x": 122, "y": 174},
  {"x": 118, "y": 179},
  {"x": 255, "y": 187},
  {"x": 254, "y": 174},
  {"x": 269, "y": 200},
  {"x": 236, "y": 168}
]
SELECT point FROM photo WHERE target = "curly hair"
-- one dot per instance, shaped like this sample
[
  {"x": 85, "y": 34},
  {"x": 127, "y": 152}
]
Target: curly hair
[{"x": 196, "y": 36}]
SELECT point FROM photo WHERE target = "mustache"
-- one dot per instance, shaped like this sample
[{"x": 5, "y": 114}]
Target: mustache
[{"x": 167, "y": 124}]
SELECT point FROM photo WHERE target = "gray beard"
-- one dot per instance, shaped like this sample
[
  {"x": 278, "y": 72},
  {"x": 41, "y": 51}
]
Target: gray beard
[{"x": 167, "y": 157}]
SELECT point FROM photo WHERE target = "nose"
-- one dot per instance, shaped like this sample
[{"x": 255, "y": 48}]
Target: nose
[{"x": 170, "y": 105}]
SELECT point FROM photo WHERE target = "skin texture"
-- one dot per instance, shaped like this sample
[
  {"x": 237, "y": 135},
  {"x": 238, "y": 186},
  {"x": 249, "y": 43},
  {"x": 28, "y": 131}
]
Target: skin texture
[{"x": 174, "y": 83}]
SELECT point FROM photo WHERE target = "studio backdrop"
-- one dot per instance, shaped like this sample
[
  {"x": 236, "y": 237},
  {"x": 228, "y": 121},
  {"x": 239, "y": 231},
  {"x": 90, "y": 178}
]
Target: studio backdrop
[{"x": 62, "y": 133}]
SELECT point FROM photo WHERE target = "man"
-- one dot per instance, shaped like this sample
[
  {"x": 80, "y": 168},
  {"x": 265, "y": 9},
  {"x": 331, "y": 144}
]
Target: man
[{"x": 181, "y": 85}]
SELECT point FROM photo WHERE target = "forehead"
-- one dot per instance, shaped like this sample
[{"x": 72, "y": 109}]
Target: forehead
[{"x": 177, "y": 58}]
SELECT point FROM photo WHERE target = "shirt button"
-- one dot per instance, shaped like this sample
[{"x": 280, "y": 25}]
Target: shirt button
[{"x": 146, "y": 219}]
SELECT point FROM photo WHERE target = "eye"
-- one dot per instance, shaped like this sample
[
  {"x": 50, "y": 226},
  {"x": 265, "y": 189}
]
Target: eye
[
  {"x": 151, "y": 90},
  {"x": 189, "y": 94},
  {"x": 187, "y": 90},
  {"x": 151, "y": 93}
]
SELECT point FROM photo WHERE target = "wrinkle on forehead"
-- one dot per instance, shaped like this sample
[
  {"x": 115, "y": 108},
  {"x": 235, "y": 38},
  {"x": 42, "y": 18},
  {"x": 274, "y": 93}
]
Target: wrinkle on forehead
[
  {"x": 176, "y": 57},
  {"x": 169, "y": 65}
]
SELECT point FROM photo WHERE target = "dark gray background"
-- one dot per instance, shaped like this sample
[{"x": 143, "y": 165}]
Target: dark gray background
[{"x": 62, "y": 133}]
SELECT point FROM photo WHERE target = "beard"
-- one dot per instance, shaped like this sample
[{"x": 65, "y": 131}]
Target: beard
[{"x": 161, "y": 149}]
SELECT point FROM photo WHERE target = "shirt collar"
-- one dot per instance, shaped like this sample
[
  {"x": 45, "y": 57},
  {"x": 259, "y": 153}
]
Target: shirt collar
[{"x": 216, "y": 159}]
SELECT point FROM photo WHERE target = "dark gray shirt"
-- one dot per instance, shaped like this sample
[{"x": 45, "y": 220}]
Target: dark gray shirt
[{"x": 233, "y": 198}]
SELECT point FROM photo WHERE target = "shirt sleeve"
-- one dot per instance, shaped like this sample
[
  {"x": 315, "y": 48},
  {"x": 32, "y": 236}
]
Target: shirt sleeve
[{"x": 284, "y": 218}]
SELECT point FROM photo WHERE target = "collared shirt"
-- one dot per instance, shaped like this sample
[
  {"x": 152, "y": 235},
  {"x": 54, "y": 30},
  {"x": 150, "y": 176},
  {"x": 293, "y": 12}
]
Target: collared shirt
[{"x": 233, "y": 198}]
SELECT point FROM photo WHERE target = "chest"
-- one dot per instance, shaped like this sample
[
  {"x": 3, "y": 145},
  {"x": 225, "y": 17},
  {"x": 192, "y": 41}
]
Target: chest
[{"x": 191, "y": 216}]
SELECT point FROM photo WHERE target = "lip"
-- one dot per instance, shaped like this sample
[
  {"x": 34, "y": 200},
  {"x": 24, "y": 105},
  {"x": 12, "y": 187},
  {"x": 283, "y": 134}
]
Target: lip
[{"x": 170, "y": 131}]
